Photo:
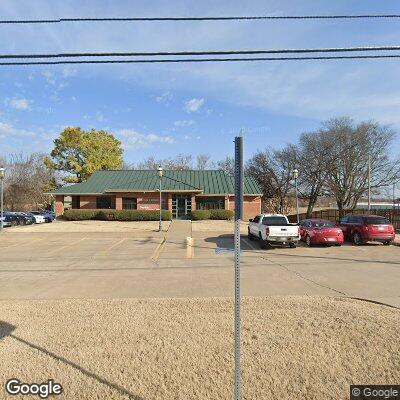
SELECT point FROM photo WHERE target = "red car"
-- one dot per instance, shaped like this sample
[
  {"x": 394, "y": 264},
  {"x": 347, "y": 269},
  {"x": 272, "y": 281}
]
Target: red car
[
  {"x": 365, "y": 228},
  {"x": 320, "y": 231}
]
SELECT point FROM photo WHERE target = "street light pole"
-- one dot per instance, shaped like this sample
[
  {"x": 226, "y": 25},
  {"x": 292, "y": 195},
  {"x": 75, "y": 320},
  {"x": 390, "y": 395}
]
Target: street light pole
[
  {"x": 369, "y": 183},
  {"x": 2, "y": 198},
  {"x": 160, "y": 174},
  {"x": 295, "y": 176}
]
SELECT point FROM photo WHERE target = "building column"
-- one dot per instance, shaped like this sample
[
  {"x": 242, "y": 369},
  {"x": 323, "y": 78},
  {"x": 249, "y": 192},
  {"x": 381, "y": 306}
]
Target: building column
[
  {"x": 193, "y": 202},
  {"x": 59, "y": 205},
  {"x": 118, "y": 201},
  {"x": 169, "y": 201}
]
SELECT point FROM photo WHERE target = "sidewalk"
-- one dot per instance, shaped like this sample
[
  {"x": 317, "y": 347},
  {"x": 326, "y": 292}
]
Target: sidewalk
[
  {"x": 176, "y": 240},
  {"x": 397, "y": 240}
]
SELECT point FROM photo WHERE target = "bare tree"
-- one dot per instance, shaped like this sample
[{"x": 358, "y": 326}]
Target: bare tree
[
  {"x": 227, "y": 165},
  {"x": 348, "y": 146},
  {"x": 272, "y": 169},
  {"x": 179, "y": 162},
  {"x": 27, "y": 179},
  {"x": 203, "y": 161}
]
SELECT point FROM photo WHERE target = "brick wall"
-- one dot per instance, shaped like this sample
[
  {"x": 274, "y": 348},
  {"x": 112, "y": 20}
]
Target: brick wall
[
  {"x": 251, "y": 205},
  {"x": 59, "y": 205}
]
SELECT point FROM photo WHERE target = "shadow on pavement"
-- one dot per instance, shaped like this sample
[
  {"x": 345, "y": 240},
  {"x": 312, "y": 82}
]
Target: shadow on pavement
[{"x": 6, "y": 330}]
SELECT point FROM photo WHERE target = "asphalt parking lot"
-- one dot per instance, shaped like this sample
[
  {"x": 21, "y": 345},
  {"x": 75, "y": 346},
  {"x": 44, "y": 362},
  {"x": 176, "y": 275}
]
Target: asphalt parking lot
[{"x": 55, "y": 265}]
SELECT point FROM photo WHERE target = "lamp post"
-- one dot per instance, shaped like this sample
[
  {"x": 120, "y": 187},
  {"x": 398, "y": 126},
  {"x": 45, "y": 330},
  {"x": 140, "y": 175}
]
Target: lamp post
[
  {"x": 295, "y": 176},
  {"x": 160, "y": 174},
  {"x": 2, "y": 197}
]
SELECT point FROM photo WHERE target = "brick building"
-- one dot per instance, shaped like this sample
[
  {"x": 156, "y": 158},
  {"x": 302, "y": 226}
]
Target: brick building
[{"x": 182, "y": 192}]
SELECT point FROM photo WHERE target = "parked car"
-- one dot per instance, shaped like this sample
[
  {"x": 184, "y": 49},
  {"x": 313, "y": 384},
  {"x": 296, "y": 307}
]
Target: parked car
[
  {"x": 30, "y": 219},
  {"x": 13, "y": 218},
  {"x": 6, "y": 221},
  {"x": 320, "y": 231},
  {"x": 48, "y": 215},
  {"x": 365, "y": 228},
  {"x": 273, "y": 228},
  {"x": 39, "y": 218}
]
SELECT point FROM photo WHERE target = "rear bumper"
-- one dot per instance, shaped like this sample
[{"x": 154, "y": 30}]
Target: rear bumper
[
  {"x": 327, "y": 240},
  {"x": 379, "y": 238},
  {"x": 278, "y": 239}
]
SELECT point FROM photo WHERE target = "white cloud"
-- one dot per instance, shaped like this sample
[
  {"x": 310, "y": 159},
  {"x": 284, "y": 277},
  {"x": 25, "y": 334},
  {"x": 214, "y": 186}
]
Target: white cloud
[
  {"x": 193, "y": 105},
  {"x": 132, "y": 139},
  {"x": 9, "y": 130},
  {"x": 100, "y": 116},
  {"x": 50, "y": 77},
  {"x": 69, "y": 71},
  {"x": 184, "y": 122},
  {"x": 165, "y": 98},
  {"x": 20, "y": 104}
]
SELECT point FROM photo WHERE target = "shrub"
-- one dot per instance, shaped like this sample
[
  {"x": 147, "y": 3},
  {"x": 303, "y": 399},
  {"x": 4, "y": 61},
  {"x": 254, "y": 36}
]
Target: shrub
[
  {"x": 117, "y": 215},
  {"x": 133, "y": 215},
  {"x": 80, "y": 215},
  {"x": 198, "y": 215},
  {"x": 221, "y": 214}
]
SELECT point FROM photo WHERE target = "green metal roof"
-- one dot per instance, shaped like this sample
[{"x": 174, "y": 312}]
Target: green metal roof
[{"x": 212, "y": 182}]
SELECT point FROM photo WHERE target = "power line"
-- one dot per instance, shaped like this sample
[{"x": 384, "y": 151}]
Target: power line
[
  {"x": 191, "y": 60},
  {"x": 203, "y": 53},
  {"x": 228, "y": 18}
]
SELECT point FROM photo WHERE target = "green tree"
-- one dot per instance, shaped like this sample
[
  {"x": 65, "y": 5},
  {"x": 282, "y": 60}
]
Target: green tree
[{"x": 80, "y": 153}]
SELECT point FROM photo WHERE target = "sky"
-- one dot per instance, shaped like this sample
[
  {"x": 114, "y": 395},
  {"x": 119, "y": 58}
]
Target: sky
[{"x": 163, "y": 110}]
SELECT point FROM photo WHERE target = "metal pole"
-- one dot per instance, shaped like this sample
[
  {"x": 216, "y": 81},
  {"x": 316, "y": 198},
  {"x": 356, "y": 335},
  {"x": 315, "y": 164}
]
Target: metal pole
[
  {"x": 160, "y": 223},
  {"x": 2, "y": 210},
  {"x": 297, "y": 201},
  {"x": 369, "y": 183},
  {"x": 238, "y": 216}
]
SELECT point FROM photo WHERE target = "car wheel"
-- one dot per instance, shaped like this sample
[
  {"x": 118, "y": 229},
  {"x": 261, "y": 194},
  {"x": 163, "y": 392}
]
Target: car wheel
[
  {"x": 292, "y": 245},
  {"x": 249, "y": 235},
  {"x": 387, "y": 243},
  {"x": 338, "y": 244},
  {"x": 357, "y": 239},
  {"x": 263, "y": 243},
  {"x": 308, "y": 241}
]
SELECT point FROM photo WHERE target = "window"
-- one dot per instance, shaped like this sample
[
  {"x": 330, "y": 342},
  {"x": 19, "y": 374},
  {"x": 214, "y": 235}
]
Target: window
[
  {"x": 376, "y": 221},
  {"x": 355, "y": 220},
  {"x": 256, "y": 219},
  {"x": 129, "y": 203},
  {"x": 274, "y": 221},
  {"x": 210, "y": 203},
  {"x": 104, "y": 202},
  {"x": 324, "y": 224},
  {"x": 344, "y": 220}
]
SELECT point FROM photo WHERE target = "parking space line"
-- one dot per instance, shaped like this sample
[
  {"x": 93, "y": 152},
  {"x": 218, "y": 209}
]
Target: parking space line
[
  {"x": 158, "y": 249},
  {"x": 66, "y": 246},
  {"x": 107, "y": 250}
]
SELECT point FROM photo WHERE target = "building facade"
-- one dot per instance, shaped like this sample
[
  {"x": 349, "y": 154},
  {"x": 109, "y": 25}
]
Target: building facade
[{"x": 181, "y": 192}]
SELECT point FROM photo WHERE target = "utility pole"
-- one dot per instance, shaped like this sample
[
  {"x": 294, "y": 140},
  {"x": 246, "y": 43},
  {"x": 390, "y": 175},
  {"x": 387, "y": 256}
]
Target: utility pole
[
  {"x": 160, "y": 175},
  {"x": 239, "y": 178},
  {"x": 2, "y": 198},
  {"x": 295, "y": 176},
  {"x": 369, "y": 183}
]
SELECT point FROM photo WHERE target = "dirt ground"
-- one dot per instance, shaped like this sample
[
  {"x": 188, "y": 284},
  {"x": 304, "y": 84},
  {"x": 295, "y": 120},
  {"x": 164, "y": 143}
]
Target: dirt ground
[{"x": 292, "y": 347}]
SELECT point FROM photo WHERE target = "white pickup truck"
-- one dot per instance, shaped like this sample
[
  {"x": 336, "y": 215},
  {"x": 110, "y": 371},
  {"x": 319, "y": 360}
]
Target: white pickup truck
[{"x": 273, "y": 228}]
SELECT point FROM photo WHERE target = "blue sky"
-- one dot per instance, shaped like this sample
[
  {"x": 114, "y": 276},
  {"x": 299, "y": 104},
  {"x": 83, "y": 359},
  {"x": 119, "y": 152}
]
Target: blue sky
[{"x": 163, "y": 110}]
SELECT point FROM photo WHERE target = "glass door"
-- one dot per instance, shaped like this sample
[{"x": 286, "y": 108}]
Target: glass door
[{"x": 181, "y": 205}]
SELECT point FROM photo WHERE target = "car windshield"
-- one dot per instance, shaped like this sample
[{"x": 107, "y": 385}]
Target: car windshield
[
  {"x": 376, "y": 221},
  {"x": 274, "y": 221},
  {"x": 323, "y": 224}
]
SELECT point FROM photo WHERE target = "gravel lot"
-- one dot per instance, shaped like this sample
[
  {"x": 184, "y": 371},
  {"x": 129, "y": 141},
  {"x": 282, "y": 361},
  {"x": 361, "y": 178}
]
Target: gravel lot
[{"x": 293, "y": 347}]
